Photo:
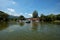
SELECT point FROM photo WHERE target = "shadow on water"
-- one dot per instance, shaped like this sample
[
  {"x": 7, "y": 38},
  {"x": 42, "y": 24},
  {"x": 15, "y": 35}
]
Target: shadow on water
[
  {"x": 21, "y": 23},
  {"x": 56, "y": 23},
  {"x": 35, "y": 25},
  {"x": 49, "y": 27},
  {"x": 3, "y": 25},
  {"x": 39, "y": 31}
]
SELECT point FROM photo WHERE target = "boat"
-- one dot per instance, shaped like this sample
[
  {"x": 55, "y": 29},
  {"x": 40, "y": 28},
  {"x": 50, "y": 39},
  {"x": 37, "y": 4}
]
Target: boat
[{"x": 27, "y": 21}]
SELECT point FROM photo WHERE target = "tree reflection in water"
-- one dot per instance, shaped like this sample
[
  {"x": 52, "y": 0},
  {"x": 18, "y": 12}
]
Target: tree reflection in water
[
  {"x": 3, "y": 25},
  {"x": 21, "y": 23},
  {"x": 34, "y": 25}
]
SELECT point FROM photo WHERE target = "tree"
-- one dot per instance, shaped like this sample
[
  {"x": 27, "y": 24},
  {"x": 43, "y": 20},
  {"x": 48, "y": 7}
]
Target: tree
[
  {"x": 21, "y": 17},
  {"x": 35, "y": 14},
  {"x": 47, "y": 18},
  {"x": 52, "y": 17},
  {"x": 3, "y": 16},
  {"x": 58, "y": 17},
  {"x": 42, "y": 17}
]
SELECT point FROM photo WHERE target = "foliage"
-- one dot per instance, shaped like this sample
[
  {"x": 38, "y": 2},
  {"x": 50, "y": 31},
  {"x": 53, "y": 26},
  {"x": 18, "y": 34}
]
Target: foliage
[
  {"x": 58, "y": 17},
  {"x": 42, "y": 18},
  {"x": 21, "y": 17},
  {"x": 35, "y": 14},
  {"x": 49, "y": 18},
  {"x": 3, "y": 16}
]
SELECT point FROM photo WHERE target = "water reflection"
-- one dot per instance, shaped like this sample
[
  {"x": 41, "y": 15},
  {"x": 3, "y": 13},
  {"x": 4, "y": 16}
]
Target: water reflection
[
  {"x": 21, "y": 23},
  {"x": 56, "y": 23},
  {"x": 34, "y": 25},
  {"x": 40, "y": 31},
  {"x": 3, "y": 25},
  {"x": 49, "y": 28}
]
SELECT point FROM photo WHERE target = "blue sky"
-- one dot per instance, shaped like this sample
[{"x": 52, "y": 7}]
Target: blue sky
[{"x": 26, "y": 7}]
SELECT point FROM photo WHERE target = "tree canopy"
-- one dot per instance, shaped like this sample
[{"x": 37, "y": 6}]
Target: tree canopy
[
  {"x": 3, "y": 15},
  {"x": 21, "y": 17},
  {"x": 35, "y": 14},
  {"x": 50, "y": 17}
]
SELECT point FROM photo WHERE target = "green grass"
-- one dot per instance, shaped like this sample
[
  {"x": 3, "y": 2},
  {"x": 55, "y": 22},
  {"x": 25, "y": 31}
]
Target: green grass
[{"x": 57, "y": 21}]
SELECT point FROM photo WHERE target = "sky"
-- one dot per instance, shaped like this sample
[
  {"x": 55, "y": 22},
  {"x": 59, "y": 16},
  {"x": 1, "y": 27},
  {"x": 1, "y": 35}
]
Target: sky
[{"x": 27, "y": 7}]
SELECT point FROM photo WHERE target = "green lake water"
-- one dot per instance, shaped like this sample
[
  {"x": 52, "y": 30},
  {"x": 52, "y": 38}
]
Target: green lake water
[{"x": 30, "y": 31}]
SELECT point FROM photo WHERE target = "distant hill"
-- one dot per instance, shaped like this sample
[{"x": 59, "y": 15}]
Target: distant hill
[{"x": 11, "y": 16}]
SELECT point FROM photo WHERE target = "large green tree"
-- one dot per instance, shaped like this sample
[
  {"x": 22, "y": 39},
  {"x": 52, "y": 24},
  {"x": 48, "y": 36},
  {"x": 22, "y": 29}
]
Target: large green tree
[
  {"x": 47, "y": 18},
  {"x": 52, "y": 17},
  {"x": 58, "y": 17},
  {"x": 35, "y": 14},
  {"x": 3, "y": 16},
  {"x": 42, "y": 17},
  {"x": 21, "y": 17}
]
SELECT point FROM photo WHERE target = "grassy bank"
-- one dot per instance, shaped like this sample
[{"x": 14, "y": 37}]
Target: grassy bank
[{"x": 57, "y": 21}]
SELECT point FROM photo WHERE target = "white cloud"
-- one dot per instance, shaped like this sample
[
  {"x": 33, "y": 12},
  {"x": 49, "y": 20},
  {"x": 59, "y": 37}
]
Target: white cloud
[
  {"x": 11, "y": 9},
  {"x": 13, "y": 13},
  {"x": 30, "y": 15},
  {"x": 16, "y": 14}
]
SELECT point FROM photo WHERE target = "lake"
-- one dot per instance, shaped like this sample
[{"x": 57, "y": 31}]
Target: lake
[{"x": 29, "y": 31}]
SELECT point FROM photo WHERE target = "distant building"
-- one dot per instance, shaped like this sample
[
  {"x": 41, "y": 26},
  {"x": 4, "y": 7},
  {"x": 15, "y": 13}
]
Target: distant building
[{"x": 33, "y": 19}]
